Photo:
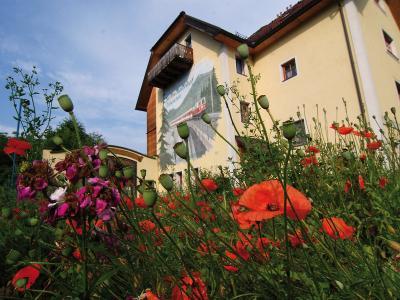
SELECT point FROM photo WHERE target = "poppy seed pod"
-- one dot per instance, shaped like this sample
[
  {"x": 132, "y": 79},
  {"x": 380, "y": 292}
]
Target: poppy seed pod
[
  {"x": 393, "y": 110},
  {"x": 66, "y": 103},
  {"x": 347, "y": 155},
  {"x": 221, "y": 90},
  {"x": 206, "y": 118},
  {"x": 57, "y": 140},
  {"x": 103, "y": 154},
  {"x": 243, "y": 51},
  {"x": 183, "y": 130},
  {"x": 150, "y": 197},
  {"x": 143, "y": 173},
  {"x": 32, "y": 221},
  {"x": 289, "y": 129},
  {"x": 128, "y": 172},
  {"x": 6, "y": 212},
  {"x": 166, "y": 181},
  {"x": 103, "y": 171},
  {"x": 12, "y": 256},
  {"x": 181, "y": 150},
  {"x": 263, "y": 101}
]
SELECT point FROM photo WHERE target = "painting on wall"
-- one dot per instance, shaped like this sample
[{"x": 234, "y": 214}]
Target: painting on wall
[{"x": 185, "y": 101}]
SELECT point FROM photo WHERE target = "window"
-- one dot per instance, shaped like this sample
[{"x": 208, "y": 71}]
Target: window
[
  {"x": 244, "y": 111},
  {"x": 188, "y": 41},
  {"x": 289, "y": 69},
  {"x": 398, "y": 89},
  {"x": 180, "y": 179},
  {"x": 240, "y": 66},
  {"x": 389, "y": 43},
  {"x": 301, "y": 137}
]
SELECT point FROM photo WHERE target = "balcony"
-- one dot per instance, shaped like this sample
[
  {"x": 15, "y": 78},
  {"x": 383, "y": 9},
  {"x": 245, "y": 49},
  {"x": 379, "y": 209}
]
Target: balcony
[{"x": 171, "y": 66}]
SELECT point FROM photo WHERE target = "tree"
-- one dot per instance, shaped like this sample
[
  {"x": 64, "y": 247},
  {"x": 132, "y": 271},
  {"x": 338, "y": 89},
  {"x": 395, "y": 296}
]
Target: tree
[
  {"x": 33, "y": 106},
  {"x": 67, "y": 132}
]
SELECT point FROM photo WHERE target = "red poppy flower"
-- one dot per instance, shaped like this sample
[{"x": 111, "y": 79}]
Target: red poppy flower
[
  {"x": 209, "y": 184},
  {"x": 26, "y": 277},
  {"x": 77, "y": 254},
  {"x": 374, "y": 145},
  {"x": 368, "y": 134},
  {"x": 361, "y": 182},
  {"x": 312, "y": 149},
  {"x": 237, "y": 191},
  {"x": 343, "y": 130},
  {"x": 128, "y": 202},
  {"x": 309, "y": 160},
  {"x": 147, "y": 225},
  {"x": 296, "y": 239},
  {"x": 150, "y": 295},
  {"x": 337, "y": 228},
  {"x": 383, "y": 181},
  {"x": 347, "y": 186},
  {"x": 363, "y": 156},
  {"x": 190, "y": 289},
  {"x": 231, "y": 268},
  {"x": 17, "y": 146},
  {"x": 139, "y": 202},
  {"x": 357, "y": 133},
  {"x": 266, "y": 200}
]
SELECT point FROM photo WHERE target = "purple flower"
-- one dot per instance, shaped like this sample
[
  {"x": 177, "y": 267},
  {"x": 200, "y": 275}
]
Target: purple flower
[
  {"x": 25, "y": 192},
  {"x": 71, "y": 172},
  {"x": 62, "y": 210},
  {"x": 40, "y": 184},
  {"x": 97, "y": 180},
  {"x": 87, "y": 201}
]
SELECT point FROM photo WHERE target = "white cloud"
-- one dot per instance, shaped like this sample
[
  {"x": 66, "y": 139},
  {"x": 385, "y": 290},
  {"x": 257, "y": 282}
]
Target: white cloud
[{"x": 7, "y": 129}]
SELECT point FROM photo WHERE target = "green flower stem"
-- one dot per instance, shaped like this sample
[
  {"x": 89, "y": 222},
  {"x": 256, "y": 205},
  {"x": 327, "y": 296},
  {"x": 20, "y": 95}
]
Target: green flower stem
[
  {"x": 254, "y": 93},
  {"x": 193, "y": 198},
  {"x": 285, "y": 217},
  {"x": 225, "y": 140},
  {"x": 73, "y": 119},
  {"x": 230, "y": 116}
]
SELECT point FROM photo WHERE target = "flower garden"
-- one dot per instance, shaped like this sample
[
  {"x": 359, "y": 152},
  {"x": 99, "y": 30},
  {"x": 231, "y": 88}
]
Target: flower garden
[{"x": 319, "y": 221}]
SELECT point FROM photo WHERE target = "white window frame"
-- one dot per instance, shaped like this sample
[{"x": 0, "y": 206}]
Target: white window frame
[
  {"x": 282, "y": 72},
  {"x": 392, "y": 49}
]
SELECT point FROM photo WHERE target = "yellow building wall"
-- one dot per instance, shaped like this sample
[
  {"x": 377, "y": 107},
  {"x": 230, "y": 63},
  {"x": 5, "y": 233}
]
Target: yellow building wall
[
  {"x": 385, "y": 67},
  {"x": 324, "y": 74}
]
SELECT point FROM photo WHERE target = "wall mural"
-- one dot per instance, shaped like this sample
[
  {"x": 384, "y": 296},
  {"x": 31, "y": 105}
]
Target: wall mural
[{"x": 186, "y": 100}]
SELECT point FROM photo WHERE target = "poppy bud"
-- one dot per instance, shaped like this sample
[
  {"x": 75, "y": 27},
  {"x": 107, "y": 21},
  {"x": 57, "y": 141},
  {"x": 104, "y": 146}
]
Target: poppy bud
[
  {"x": 128, "y": 172},
  {"x": 150, "y": 197},
  {"x": 57, "y": 140},
  {"x": 66, "y": 103},
  {"x": 289, "y": 129},
  {"x": 181, "y": 150},
  {"x": 394, "y": 245},
  {"x": 58, "y": 233},
  {"x": 166, "y": 181},
  {"x": 118, "y": 174},
  {"x": 263, "y": 101},
  {"x": 393, "y": 110},
  {"x": 206, "y": 118},
  {"x": 103, "y": 171},
  {"x": 300, "y": 153},
  {"x": 390, "y": 229},
  {"x": 18, "y": 232},
  {"x": 221, "y": 90},
  {"x": 6, "y": 212},
  {"x": 32, "y": 221},
  {"x": 67, "y": 251},
  {"x": 103, "y": 153},
  {"x": 143, "y": 173},
  {"x": 243, "y": 51},
  {"x": 347, "y": 155},
  {"x": 183, "y": 130},
  {"x": 12, "y": 256}
]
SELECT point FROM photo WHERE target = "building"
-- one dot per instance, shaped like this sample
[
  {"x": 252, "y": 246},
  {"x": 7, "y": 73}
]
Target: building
[{"x": 317, "y": 52}]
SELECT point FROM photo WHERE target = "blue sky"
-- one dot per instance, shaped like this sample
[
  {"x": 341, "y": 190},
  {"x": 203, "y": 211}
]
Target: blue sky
[{"x": 98, "y": 49}]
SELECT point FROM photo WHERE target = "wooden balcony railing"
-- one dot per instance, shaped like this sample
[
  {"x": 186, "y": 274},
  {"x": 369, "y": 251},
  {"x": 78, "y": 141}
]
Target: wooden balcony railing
[{"x": 171, "y": 66}]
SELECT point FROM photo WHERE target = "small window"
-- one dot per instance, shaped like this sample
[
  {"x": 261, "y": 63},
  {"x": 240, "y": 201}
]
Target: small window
[
  {"x": 179, "y": 177},
  {"x": 188, "y": 41},
  {"x": 289, "y": 69},
  {"x": 244, "y": 111},
  {"x": 240, "y": 66},
  {"x": 398, "y": 89},
  {"x": 301, "y": 137},
  {"x": 389, "y": 43}
]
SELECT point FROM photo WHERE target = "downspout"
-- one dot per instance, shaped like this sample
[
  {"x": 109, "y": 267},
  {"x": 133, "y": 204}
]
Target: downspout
[{"x": 352, "y": 63}]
